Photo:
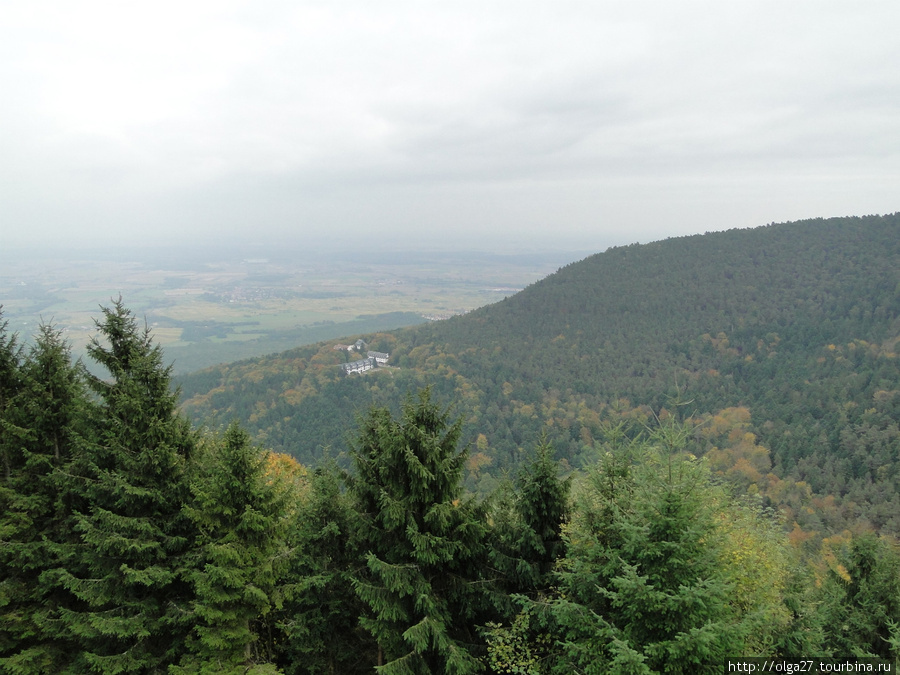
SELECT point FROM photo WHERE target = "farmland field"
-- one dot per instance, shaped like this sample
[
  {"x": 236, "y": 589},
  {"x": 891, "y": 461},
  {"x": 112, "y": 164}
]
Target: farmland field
[{"x": 218, "y": 306}]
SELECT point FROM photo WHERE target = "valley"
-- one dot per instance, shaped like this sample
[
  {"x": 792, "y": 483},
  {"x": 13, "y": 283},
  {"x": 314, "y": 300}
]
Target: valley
[
  {"x": 215, "y": 306},
  {"x": 780, "y": 343},
  {"x": 661, "y": 456}
]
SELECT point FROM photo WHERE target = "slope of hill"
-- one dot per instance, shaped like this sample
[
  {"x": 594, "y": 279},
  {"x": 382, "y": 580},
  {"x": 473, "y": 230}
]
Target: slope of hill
[{"x": 788, "y": 332}]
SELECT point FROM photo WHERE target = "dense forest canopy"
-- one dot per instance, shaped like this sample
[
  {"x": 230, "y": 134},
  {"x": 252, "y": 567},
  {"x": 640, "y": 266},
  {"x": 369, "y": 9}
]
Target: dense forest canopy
[
  {"x": 132, "y": 541},
  {"x": 780, "y": 341}
]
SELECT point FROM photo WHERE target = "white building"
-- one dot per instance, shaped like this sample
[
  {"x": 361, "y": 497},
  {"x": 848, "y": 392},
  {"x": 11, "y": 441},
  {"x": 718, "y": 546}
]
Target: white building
[{"x": 360, "y": 366}]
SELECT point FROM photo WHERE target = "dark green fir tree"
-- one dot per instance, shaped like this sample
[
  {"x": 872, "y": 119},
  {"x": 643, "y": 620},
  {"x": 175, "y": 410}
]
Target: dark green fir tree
[
  {"x": 11, "y": 463},
  {"x": 320, "y": 620},
  {"x": 240, "y": 512},
  {"x": 542, "y": 505},
  {"x": 53, "y": 414},
  {"x": 135, "y": 537},
  {"x": 528, "y": 541},
  {"x": 10, "y": 387},
  {"x": 862, "y": 608},
  {"x": 642, "y": 590},
  {"x": 424, "y": 546}
]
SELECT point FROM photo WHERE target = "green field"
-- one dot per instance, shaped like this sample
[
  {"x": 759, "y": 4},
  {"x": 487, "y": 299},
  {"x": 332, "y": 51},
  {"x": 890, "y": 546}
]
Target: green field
[{"x": 216, "y": 308}]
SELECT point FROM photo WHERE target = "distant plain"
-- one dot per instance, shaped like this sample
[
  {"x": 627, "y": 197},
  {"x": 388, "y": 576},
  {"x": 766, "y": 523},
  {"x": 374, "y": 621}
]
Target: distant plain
[{"x": 220, "y": 305}]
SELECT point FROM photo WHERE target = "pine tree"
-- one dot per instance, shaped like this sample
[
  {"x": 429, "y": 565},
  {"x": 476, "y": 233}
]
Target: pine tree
[
  {"x": 642, "y": 589},
  {"x": 424, "y": 546},
  {"x": 543, "y": 508},
  {"x": 10, "y": 386},
  {"x": 134, "y": 533},
  {"x": 241, "y": 516},
  {"x": 528, "y": 542},
  {"x": 320, "y": 621},
  {"x": 863, "y": 609},
  {"x": 52, "y": 413},
  {"x": 10, "y": 467}
]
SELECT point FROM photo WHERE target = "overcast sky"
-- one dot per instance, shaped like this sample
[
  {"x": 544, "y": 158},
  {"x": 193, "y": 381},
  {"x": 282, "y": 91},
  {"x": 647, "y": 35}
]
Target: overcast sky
[{"x": 485, "y": 124}]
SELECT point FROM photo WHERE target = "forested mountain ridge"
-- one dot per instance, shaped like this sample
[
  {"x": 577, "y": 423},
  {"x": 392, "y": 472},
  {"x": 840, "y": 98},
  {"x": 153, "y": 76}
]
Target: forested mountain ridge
[
  {"x": 779, "y": 341},
  {"x": 132, "y": 541}
]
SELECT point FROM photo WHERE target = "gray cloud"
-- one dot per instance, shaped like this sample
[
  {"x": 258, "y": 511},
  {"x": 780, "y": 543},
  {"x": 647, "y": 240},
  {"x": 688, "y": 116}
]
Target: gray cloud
[{"x": 590, "y": 122}]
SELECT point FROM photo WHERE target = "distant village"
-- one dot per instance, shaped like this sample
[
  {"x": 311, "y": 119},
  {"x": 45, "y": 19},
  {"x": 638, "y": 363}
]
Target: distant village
[{"x": 372, "y": 360}]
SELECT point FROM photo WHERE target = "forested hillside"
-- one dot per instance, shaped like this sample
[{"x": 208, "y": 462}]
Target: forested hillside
[
  {"x": 780, "y": 342},
  {"x": 134, "y": 542}
]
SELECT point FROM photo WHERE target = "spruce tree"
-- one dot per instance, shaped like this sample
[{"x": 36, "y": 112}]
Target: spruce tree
[
  {"x": 241, "y": 516},
  {"x": 542, "y": 506},
  {"x": 320, "y": 621},
  {"x": 423, "y": 545},
  {"x": 10, "y": 467},
  {"x": 135, "y": 536},
  {"x": 528, "y": 542},
  {"x": 642, "y": 589},
  {"x": 863, "y": 606},
  {"x": 10, "y": 386},
  {"x": 53, "y": 414}
]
